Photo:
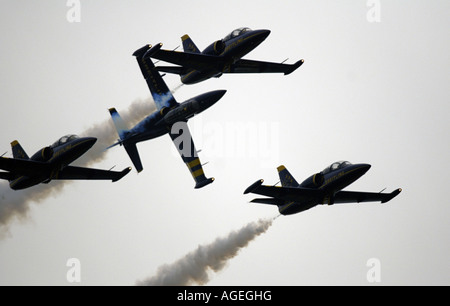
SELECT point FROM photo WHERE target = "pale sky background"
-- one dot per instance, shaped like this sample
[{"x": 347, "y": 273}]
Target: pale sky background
[{"x": 372, "y": 92}]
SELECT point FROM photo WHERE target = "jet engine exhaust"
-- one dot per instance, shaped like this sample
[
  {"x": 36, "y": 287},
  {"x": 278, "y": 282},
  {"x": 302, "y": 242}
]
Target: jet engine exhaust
[
  {"x": 195, "y": 266},
  {"x": 15, "y": 204}
]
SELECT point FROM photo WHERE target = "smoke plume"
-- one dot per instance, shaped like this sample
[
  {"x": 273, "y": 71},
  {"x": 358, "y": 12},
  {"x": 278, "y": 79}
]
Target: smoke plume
[
  {"x": 193, "y": 268},
  {"x": 16, "y": 204}
]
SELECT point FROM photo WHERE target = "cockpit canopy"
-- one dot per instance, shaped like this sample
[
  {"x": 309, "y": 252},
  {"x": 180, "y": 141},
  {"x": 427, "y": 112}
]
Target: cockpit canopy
[
  {"x": 64, "y": 140},
  {"x": 236, "y": 33},
  {"x": 335, "y": 166}
]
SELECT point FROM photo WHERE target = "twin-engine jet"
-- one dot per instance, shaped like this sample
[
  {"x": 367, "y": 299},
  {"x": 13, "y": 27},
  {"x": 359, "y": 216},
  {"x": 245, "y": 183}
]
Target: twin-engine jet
[
  {"x": 222, "y": 56},
  {"x": 52, "y": 163},
  {"x": 321, "y": 188},
  {"x": 170, "y": 118}
]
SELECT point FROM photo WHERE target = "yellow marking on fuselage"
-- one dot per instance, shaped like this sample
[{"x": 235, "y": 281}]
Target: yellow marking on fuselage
[
  {"x": 17, "y": 180},
  {"x": 65, "y": 149},
  {"x": 187, "y": 75},
  {"x": 337, "y": 176},
  {"x": 286, "y": 206}
]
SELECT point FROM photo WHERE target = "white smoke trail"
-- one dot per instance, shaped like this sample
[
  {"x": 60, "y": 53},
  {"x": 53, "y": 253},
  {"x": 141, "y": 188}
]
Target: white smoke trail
[
  {"x": 16, "y": 204},
  {"x": 193, "y": 268}
]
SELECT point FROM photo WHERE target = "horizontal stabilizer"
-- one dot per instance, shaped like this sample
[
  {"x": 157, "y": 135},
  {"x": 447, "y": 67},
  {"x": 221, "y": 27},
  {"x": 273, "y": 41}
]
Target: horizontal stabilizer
[
  {"x": 152, "y": 51},
  {"x": 270, "y": 201},
  {"x": 253, "y": 186},
  {"x": 297, "y": 194},
  {"x": 170, "y": 69},
  {"x": 23, "y": 167},
  {"x": 6, "y": 176},
  {"x": 141, "y": 51}
]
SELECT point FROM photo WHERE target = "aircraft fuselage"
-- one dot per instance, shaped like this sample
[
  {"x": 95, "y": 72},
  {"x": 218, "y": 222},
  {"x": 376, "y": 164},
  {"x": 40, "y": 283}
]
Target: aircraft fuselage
[
  {"x": 230, "y": 49},
  {"x": 160, "y": 122},
  {"x": 333, "y": 182},
  {"x": 57, "y": 156}
]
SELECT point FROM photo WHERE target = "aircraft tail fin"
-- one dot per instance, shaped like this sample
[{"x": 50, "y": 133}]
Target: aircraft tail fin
[
  {"x": 130, "y": 147},
  {"x": 18, "y": 151},
  {"x": 118, "y": 123},
  {"x": 286, "y": 178},
  {"x": 188, "y": 44}
]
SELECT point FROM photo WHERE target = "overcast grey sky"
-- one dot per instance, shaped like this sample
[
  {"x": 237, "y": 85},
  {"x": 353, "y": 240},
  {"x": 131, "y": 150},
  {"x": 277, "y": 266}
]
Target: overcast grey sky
[{"x": 373, "y": 92}]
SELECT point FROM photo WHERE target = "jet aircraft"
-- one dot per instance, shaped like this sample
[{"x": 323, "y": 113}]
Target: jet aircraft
[
  {"x": 324, "y": 187},
  {"x": 170, "y": 118},
  {"x": 222, "y": 56},
  {"x": 52, "y": 163}
]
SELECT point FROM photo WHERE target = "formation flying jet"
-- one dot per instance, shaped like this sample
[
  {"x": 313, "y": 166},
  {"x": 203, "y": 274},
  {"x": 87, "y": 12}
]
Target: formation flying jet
[
  {"x": 52, "y": 163},
  {"x": 170, "y": 118},
  {"x": 222, "y": 56},
  {"x": 321, "y": 188}
]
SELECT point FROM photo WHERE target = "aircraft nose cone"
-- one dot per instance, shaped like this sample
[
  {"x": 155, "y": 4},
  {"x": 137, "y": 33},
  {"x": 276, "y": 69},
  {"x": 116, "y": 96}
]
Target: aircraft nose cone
[
  {"x": 87, "y": 142},
  {"x": 364, "y": 168},
  {"x": 212, "y": 97},
  {"x": 218, "y": 94},
  {"x": 262, "y": 34}
]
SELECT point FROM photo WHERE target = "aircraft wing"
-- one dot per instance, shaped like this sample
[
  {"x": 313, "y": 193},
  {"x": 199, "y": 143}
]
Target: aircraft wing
[
  {"x": 181, "y": 137},
  {"x": 195, "y": 61},
  {"x": 250, "y": 66},
  {"x": 79, "y": 173},
  {"x": 160, "y": 92},
  {"x": 297, "y": 194},
  {"x": 23, "y": 166},
  {"x": 342, "y": 197}
]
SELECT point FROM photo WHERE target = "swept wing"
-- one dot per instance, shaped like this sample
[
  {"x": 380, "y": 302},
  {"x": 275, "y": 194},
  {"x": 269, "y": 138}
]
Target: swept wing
[
  {"x": 343, "y": 197},
  {"x": 80, "y": 173},
  {"x": 185, "y": 145},
  {"x": 250, "y": 66}
]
